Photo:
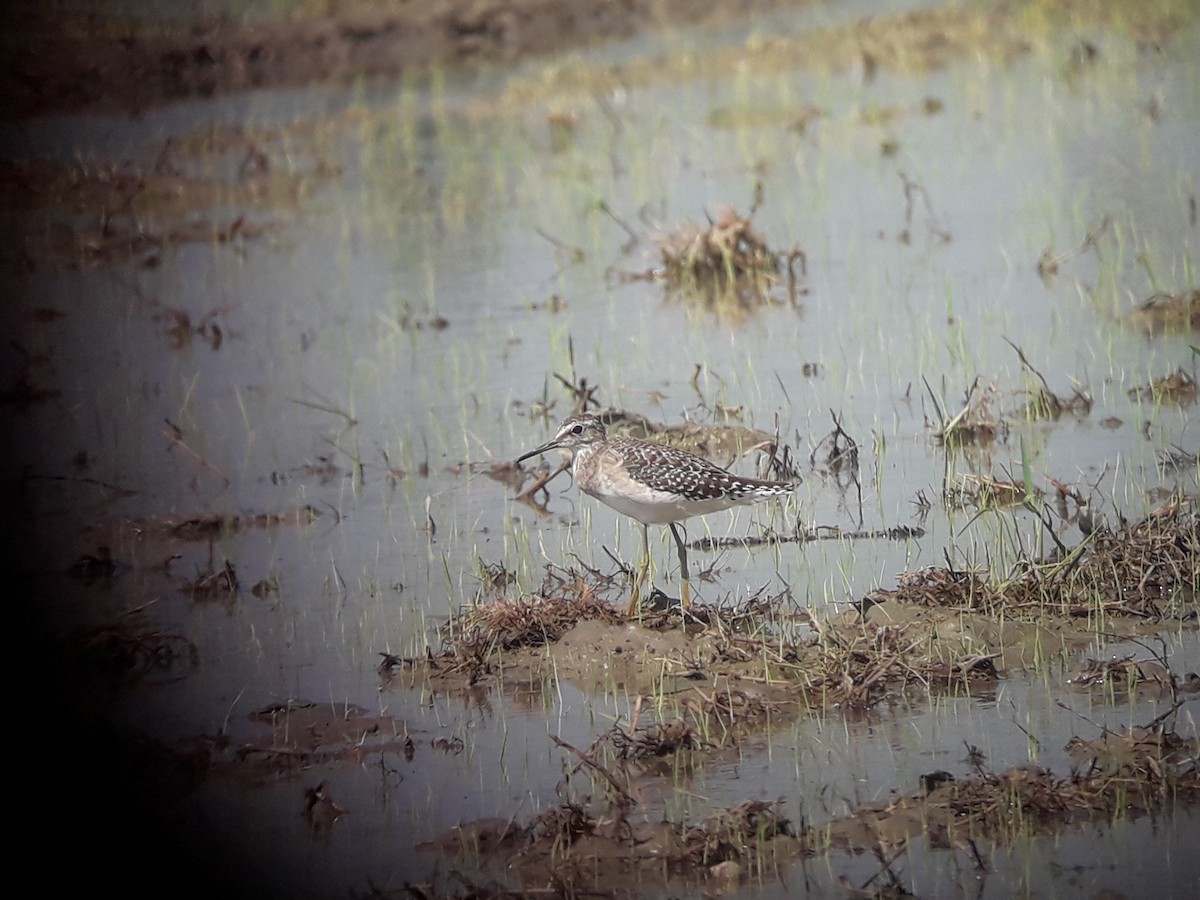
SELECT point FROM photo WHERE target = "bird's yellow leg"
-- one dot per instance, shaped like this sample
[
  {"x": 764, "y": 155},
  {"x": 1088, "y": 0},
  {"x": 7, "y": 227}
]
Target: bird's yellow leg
[
  {"x": 639, "y": 577},
  {"x": 685, "y": 598}
]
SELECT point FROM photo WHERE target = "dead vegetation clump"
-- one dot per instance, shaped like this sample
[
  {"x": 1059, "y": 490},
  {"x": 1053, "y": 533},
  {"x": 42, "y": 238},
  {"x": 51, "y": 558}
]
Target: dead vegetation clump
[
  {"x": 656, "y": 740},
  {"x": 471, "y": 640},
  {"x": 1165, "y": 312},
  {"x": 1147, "y": 570},
  {"x": 220, "y": 582},
  {"x": 1122, "y": 673},
  {"x": 577, "y": 850},
  {"x": 1031, "y": 799},
  {"x": 727, "y": 264},
  {"x": 94, "y": 217},
  {"x": 737, "y": 834},
  {"x": 530, "y": 620},
  {"x": 984, "y": 492},
  {"x": 936, "y": 587},
  {"x": 301, "y": 733},
  {"x": 1146, "y": 755},
  {"x": 223, "y": 185},
  {"x": 1043, "y": 403},
  {"x": 1117, "y": 775},
  {"x": 1179, "y": 387},
  {"x": 858, "y": 667},
  {"x": 738, "y": 680},
  {"x": 976, "y": 423},
  {"x": 731, "y": 708},
  {"x": 127, "y": 653}
]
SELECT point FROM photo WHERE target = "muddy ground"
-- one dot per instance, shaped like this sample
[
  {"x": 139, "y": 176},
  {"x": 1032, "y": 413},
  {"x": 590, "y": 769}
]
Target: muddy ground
[{"x": 93, "y": 63}]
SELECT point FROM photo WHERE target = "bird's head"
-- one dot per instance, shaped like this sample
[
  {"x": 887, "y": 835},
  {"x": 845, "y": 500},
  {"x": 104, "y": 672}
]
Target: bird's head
[{"x": 575, "y": 432}]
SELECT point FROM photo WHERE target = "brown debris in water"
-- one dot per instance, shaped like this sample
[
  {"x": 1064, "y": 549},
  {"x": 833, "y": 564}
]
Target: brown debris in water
[
  {"x": 858, "y": 667},
  {"x": 92, "y": 567},
  {"x": 89, "y": 218},
  {"x": 1145, "y": 755},
  {"x": 1179, "y": 387},
  {"x": 1123, "y": 672},
  {"x": 728, "y": 248},
  {"x": 1147, "y": 570},
  {"x": 1163, "y": 312},
  {"x": 1043, "y": 403},
  {"x": 129, "y": 653},
  {"x": 504, "y": 625},
  {"x": 1149, "y": 771},
  {"x": 727, "y": 264},
  {"x": 576, "y": 847},
  {"x": 202, "y": 528},
  {"x": 656, "y": 740},
  {"x": 721, "y": 677},
  {"x": 221, "y": 581},
  {"x": 1049, "y": 262},
  {"x": 181, "y": 330},
  {"x": 975, "y": 423},
  {"x": 983, "y": 492},
  {"x": 530, "y": 620},
  {"x": 936, "y": 587},
  {"x": 297, "y": 735}
]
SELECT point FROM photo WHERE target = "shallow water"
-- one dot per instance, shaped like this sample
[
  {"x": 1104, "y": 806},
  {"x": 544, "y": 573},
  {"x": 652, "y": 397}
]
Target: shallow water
[{"x": 418, "y": 202}]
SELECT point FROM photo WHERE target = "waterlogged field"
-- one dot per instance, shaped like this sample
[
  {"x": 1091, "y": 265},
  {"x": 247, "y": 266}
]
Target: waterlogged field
[{"x": 275, "y": 352}]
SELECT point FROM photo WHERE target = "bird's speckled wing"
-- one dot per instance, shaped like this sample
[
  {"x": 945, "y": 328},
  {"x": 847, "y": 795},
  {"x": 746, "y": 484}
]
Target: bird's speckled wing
[{"x": 689, "y": 476}]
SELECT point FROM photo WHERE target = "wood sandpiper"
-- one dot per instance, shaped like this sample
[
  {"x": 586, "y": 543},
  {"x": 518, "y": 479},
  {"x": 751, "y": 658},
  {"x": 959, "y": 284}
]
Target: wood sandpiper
[{"x": 653, "y": 483}]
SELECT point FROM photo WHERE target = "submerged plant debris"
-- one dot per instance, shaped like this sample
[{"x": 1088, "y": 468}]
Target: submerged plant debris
[{"x": 611, "y": 847}]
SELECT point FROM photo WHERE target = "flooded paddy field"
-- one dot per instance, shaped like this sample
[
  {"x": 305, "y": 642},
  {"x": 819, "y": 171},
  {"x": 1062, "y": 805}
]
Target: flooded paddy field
[{"x": 294, "y": 622}]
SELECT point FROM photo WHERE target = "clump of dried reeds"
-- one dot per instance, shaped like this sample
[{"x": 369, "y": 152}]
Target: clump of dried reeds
[
  {"x": 530, "y": 620},
  {"x": 727, "y": 258}
]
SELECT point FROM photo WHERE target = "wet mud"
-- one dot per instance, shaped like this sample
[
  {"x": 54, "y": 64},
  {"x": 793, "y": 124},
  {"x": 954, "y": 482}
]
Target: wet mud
[{"x": 70, "y": 65}]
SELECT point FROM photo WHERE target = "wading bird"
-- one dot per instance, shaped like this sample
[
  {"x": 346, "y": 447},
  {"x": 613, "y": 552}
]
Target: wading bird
[{"x": 653, "y": 483}]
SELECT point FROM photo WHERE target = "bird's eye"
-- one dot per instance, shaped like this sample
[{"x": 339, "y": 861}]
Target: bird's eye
[{"x": 578, "y": 429}]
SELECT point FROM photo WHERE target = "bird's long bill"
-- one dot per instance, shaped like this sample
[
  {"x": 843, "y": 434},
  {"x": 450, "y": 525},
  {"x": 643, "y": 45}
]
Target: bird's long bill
[{"x": 545, "y": 448}]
